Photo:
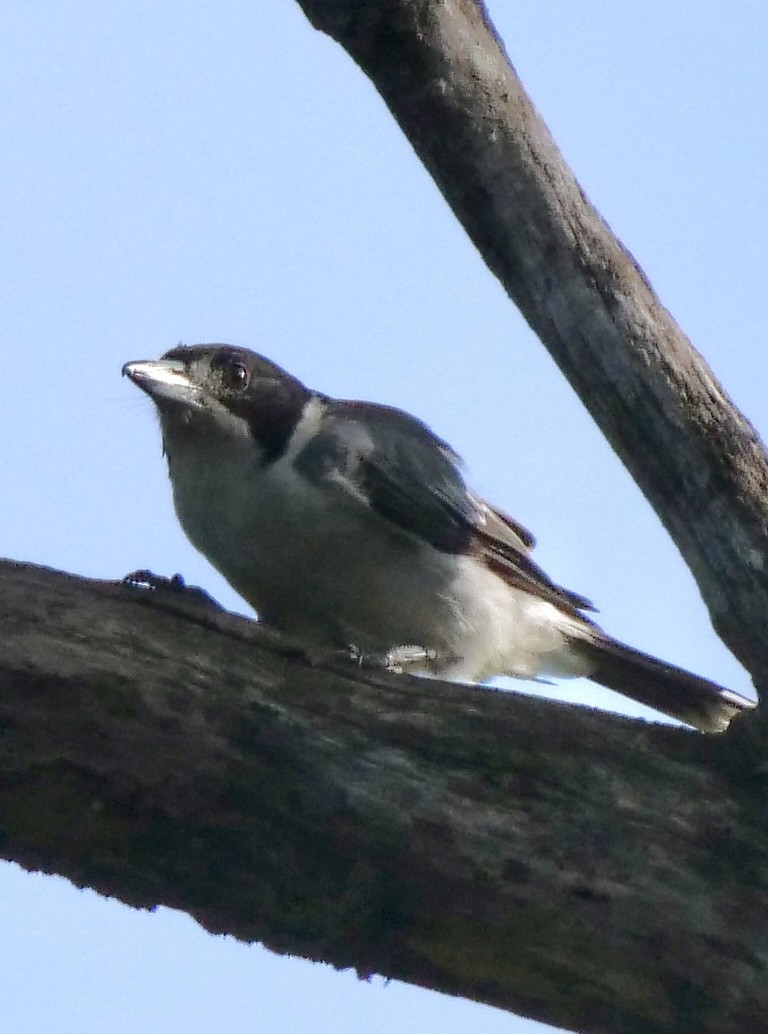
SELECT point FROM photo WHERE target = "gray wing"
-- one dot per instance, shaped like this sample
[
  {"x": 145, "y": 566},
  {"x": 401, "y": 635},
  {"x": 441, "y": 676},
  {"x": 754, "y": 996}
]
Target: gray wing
[{"x": 393, "y": 463}]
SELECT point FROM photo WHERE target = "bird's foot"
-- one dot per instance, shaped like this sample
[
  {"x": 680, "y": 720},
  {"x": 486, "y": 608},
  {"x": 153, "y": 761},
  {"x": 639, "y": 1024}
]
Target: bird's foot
[
  {"x": 399, "y": 659},
  {"x": 173, "y": 588}
]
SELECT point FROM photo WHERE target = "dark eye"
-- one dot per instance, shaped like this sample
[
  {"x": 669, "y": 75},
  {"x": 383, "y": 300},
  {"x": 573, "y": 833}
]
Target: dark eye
[{"x": 235, "y": 377}]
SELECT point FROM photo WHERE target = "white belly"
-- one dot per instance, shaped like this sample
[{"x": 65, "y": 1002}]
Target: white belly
[{"x": 318, "y": 563}]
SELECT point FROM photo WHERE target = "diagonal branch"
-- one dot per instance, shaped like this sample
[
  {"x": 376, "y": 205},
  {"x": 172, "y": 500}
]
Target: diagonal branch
[
  {"x": 593, "y": 872},
  {"x": 577, "y": 867},
  {"x": 445, "y": 76}
]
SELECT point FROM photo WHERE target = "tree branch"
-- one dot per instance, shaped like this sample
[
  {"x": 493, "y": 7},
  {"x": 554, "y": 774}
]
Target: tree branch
[
  {"x": 583, "y": 869},
  {"x": 444, "y": 74},
  {"x": 580, "y": 868}
]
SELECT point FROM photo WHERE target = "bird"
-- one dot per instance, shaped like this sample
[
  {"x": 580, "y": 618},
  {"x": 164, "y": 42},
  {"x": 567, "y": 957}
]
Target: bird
[{"x": 350, "y": 524}]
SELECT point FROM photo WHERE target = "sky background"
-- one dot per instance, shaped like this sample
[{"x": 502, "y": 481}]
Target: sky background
[{"x": 222, "y": 172}]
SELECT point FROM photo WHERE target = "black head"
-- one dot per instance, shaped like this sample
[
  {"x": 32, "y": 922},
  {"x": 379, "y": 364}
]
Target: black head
[{"x": 225, "y": 389}]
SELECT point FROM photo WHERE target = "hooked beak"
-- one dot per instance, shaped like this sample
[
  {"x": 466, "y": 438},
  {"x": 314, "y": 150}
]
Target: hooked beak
[{"x": 163, "y": 380}]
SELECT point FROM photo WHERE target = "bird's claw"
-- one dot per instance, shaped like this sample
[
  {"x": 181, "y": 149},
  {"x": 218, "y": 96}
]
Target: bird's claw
[
  {"x": 399, "y": 659},
  {"x": 146, "y": 579},
  {"x": 174, "y": 587}
]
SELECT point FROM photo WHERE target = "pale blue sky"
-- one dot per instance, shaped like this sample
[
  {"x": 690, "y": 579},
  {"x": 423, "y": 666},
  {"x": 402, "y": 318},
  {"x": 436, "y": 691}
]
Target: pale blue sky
[{"x": 191, "y": 172}]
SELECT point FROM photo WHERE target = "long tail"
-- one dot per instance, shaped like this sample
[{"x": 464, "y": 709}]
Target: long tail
[{"x": 665, "y": 687}]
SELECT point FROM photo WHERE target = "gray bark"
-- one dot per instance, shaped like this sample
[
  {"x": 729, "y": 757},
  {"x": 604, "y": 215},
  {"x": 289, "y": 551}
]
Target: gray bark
[
  {"x": 587, "y": 870},
  {"x": 582, "y": 869}
]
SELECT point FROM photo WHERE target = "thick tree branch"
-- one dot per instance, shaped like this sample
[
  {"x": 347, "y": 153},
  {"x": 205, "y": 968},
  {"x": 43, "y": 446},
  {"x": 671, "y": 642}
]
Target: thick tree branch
[
  {"x": 444, "y": 74},
  {"x": 580, "y": 868},
  {"x": 597, "y": 873}
]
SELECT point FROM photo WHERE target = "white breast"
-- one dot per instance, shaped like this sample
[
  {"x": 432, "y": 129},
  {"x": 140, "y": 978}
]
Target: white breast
[{"x": 316, "y": 561}]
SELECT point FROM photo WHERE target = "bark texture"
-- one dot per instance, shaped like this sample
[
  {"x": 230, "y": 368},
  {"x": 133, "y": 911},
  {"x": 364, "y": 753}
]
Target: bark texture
[
  {"x": 583, "y": 869},
  {"x": 446, "y": 78},
  {"x": 596, "y": 873}
]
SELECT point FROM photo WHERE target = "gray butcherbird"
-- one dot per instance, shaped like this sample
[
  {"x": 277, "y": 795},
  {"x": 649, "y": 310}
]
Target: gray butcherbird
[{"x": 350, "y": 523}]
